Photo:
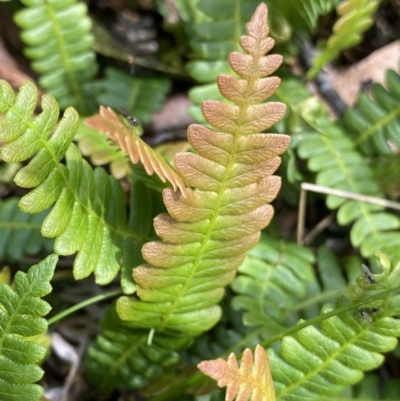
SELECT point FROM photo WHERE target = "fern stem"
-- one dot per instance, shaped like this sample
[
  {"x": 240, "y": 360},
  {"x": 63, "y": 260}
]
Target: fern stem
[{"x": 83, "y": 304}]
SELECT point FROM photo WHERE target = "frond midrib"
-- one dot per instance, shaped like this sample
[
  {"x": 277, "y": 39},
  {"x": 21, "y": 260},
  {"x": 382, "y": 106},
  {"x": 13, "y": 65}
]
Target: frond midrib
[
  {"x": 71, "y": 75},
  {"x": 210, "y": 231},
  {"x": 124, "y": 356},
  {"x": 45, "y": 144},
  {"x": 381, "y": 123},
  {"x": 15, "y": 312},
  {"x": 366, "y": 214},
  {"x": 332, "y": 357}
]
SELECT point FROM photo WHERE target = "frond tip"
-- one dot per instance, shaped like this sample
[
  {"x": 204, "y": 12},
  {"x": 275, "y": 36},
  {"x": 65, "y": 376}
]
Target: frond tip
[
  {"x": 252, "y": 379},
  {"x": 109, "y": 123}
]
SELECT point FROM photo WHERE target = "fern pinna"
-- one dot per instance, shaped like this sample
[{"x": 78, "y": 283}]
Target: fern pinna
[
  {"x": 88, "y": 214},
  {"x": 207, "y": 232},
  {"x": 21, "y": 314},
  {"x": 316, "y": 363},
  {"x": 59, "y": 41}
]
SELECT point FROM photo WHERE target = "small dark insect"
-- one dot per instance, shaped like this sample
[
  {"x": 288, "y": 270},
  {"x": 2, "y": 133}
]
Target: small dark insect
[
  {"x": 369, "y": 275},
  {"x": 364, "y": 315},
  {"x": 132, "y": 120}
]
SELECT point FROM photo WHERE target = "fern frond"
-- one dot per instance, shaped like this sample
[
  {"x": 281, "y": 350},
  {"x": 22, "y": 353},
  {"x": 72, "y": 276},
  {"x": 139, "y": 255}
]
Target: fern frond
[
  {"x": 88, "y": 214},
  {"x": 253, "y": 379},
  {"x": 338, "y": 165},
  {"x": 20, "y": 232},
  {"x": 317, "y": 363},
  {"x": 109, "y": 123},
  {"x": 21, "y": 314},
  {"x": 140, "y": 96},
  {"x": 374, "y": 123},
  {"x": 214, "y": 29},
  {"x": 120, "y": 357},
  {"x": 386, "y": 174},
  {"x": 355, "y": 18},
  {"x": 207, "y": 233},
  {"x": 271, "y": 281},
  {"x": 303, "y": 15},
  {"x": 59, "y": 43}
]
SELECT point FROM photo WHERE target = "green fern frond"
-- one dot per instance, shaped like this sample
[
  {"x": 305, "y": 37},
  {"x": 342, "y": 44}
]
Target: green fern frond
[
  {"x": 386, "y": 173},
  {"x": 214, "y": 28},
  {"x": 271, "y": 281},
  {"x": 207, "y": 233},
  {"x": 59, "y": 41},
  {"x": 374, "y": 123},
  {"x": 88, "y": 213},
  {"x": 355, "y": 18},
  {"x": 316, "y": 363},
  {"x": 121, "y": 358},
  {"x": 228, "y": 334},
  {"x": 338, "y": 165},
  {"x": 302, "y": 15},
  {"x": 140, "y": 96},
  {"x": 20, "y": 232},
  {"x": 21, "y": 314}
]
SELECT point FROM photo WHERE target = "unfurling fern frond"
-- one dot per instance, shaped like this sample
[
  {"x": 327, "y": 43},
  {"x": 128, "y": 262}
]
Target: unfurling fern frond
[
  {"x": 253, "y": 379},
  {"x": 20, "y": 232},
  {"x": 207, "y": 233},
  {"x": 88, "y": 214},
  {"x": 59, "y": 43},
  {"x": 109, "y": 123},
  {"x": 21, "y": 313},
  {"x": 374, "y": 123},
  {"x": 338, "y": 165},
  {"x": 355, "y": 19},
  {"x": 271, "y": 281},
  {"x": 316, "y": 363}
]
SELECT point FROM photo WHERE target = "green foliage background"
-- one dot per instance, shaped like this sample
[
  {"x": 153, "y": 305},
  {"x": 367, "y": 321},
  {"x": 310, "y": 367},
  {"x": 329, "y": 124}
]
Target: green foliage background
[{"x": 300, "y": 302}]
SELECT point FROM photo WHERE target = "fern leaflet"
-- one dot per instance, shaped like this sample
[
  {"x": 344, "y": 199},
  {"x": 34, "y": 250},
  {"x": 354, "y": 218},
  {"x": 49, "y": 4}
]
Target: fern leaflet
[
  {"x": 88, "y": 213},
  {"x": 302, "y": 16},
  {"x": 121, "y": 358},
  {"x": 374, "y": 123},
  {"x": 355, "y": 19},
  {"x": 58, "y": 36},
  {"x": 332, "y": 155},
  {"x": 253, "y": 379},
  {"x": 20, "y": 232},
  {"x": 270, "y": 282},
  {"x": 316, "y": 362},
  {"x": 21, "y": 314},
  {"x": 108, "y": 122},
  {"x": 140, "y": 96}
]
